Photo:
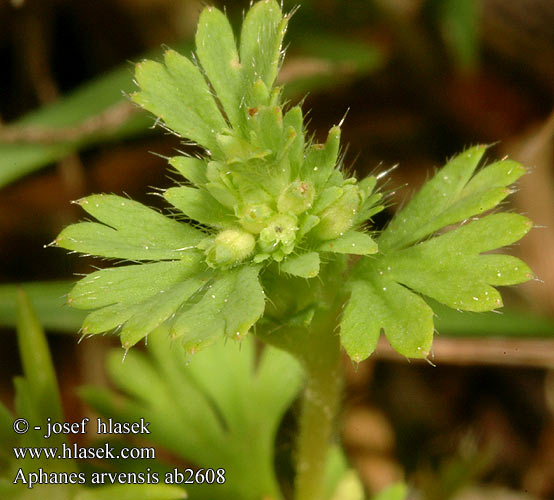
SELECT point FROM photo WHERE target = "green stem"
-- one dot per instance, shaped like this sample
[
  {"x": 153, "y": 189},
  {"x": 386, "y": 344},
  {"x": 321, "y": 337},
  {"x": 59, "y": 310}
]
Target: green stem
[
  {"x": 317, "y": 347},
  {"x": 319, "y": 409}
]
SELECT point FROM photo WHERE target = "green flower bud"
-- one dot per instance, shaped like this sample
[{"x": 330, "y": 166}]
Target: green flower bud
[
  {"x": 280, "y": 233},
  {"x": 254, "y": 218},
  {"x": 230, "y": 247},
  {"x": 296, "y": 198},
  {"x": 339, "y": 216}
]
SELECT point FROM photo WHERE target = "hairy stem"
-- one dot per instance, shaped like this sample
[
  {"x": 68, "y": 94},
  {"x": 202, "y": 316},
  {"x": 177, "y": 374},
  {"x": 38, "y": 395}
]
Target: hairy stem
[
  {"x": 317, "y": 347},
  {"x": 319, "y": 408}
]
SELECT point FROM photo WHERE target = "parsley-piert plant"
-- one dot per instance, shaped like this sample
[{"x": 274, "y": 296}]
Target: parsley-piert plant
[{"x": 265, "y": 225}]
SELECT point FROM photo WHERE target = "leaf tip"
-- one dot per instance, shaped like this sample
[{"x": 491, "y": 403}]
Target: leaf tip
[
  {"x": 80, "y": 201},
  {"x": 357, "y": 358},
  {"x": 335, "y": 132},
  {"x": 53, "y": 243},
  {"x": 239, "y": 337},
  {"x": 422, "y": 353}
]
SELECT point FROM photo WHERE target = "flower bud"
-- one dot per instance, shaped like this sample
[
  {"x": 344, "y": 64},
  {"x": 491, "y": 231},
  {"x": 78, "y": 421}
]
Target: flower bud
[
  {"x": 230, "y": 247},
  {"x": 339, "y": 216},
  {"x": 279, "y": 232},
  {"x": 254, "y": 218},
  {"x": 296, "y": 198}
]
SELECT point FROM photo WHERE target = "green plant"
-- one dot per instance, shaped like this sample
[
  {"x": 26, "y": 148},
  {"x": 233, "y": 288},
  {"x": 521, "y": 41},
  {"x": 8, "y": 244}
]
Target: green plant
[
  {"x": 220, "y": 411},
  {"x": 262, "y": 233},
  {"x": 37, "y": 399},
  {"x": 230, "y": 401}
]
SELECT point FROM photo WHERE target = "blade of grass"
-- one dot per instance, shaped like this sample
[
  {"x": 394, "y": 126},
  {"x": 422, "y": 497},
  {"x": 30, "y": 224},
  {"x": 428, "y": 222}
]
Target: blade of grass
[
  {"x": 37, "y": 363},
  {"x": 92, "y": 99},
  {"x": 49, "y": 301}
]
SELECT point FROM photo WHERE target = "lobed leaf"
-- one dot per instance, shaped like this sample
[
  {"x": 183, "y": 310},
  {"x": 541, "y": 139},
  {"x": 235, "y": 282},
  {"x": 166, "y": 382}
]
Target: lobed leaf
[
  {"x": 192, "y": 169},
  {"x": 353, "y": 242},
  {"x": 380, "y": 304},
  {"x": 261, "y": 38},
  {"x": 488, "y": 233},
  {"x": 450, "y": 197},
  {"x": 199, "y": 205},
  {"x": 155, "y": 311},
  {"x": 257, "y": 152},
  {"x": 177, "y": 93},
  {"x": 217, "y": 53},
  {"x": 137, "y": 319},
  {"x": 498, "y": 174},
  {"x": 230, "y": 306},
  {"x": 357, "y": 336},
  {"x": 108, "y": 318},
  {"x": 132, "y": 231},
  {"x": 448, "y": 268},
  {"x": 136, "y": 298},
  {"x": 130, "y": 284},
  {"x": 96, "y": 239}
]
